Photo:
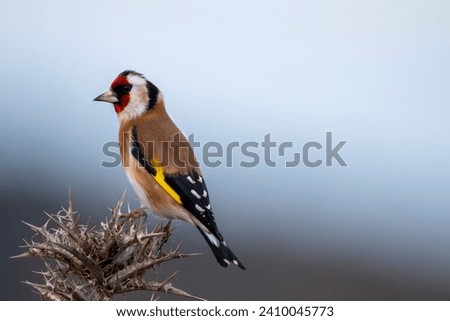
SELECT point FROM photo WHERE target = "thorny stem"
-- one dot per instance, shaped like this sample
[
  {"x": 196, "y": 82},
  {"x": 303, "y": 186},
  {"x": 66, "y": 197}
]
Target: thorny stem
[{"x": 88, "y": 263}]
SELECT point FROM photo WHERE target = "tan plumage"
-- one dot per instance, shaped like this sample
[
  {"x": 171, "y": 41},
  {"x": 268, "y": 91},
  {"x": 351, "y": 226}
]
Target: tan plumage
[
  {"x": 159, "y": 161},
  {"x": 155, "y": 131}
]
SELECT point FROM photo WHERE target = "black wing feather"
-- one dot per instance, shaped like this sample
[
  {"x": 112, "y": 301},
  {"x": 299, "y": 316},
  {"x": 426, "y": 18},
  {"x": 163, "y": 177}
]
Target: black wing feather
[
  {"x": 137, "y": 153},
  {"x": 187, "y": 186}
]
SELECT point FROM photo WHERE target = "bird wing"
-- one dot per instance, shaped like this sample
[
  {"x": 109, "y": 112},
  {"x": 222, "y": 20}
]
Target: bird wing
[
  {"x": 195, "y": 198},
  {"x": 186, "y": 187}
]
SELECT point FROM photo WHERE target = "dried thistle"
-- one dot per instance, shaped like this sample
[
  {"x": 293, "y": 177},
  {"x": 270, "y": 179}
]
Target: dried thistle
[{"x": 85, "y": 263}]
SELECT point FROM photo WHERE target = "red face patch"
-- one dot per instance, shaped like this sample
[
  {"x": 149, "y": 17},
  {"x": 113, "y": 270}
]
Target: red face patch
[{"x": 118, "y": 86}]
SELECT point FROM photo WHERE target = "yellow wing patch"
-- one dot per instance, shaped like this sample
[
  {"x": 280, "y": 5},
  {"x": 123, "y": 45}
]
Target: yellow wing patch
[{"x": 159, "y": 177}]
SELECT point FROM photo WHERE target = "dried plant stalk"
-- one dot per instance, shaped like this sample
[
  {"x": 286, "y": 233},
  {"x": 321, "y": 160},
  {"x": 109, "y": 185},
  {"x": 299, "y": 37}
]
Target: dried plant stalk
[{"x": 85, "y": 263}]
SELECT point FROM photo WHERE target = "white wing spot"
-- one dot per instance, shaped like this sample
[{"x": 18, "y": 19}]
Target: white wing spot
[
  {"x": 226, "y": 261},
  {"x": 200, "y": 179},
  {"x": 190, "y": 179},
  {"x": 205, "y": 193},
  {"x": 195, "y": 194},
  {"x": 198, "y": 208},
  {"x": 208, "y": 206},
  {"x": 213, "y": 239},
  {"x": 235, "y": 262}
]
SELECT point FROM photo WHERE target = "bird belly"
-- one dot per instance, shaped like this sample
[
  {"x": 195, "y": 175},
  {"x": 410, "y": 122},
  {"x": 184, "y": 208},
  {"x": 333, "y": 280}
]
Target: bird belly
[{"x": 152, "y": 196}]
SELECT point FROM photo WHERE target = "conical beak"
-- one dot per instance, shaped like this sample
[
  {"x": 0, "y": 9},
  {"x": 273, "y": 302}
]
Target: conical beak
[{"x": 108, "y": 97}]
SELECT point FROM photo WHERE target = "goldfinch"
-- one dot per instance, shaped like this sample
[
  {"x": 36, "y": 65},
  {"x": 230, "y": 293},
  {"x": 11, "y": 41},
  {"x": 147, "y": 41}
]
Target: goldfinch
[{"x": 159, "y": 162}]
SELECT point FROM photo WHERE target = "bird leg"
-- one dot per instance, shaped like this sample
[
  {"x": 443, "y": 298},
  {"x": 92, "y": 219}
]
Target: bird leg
[{"x": 135, "y": 214}]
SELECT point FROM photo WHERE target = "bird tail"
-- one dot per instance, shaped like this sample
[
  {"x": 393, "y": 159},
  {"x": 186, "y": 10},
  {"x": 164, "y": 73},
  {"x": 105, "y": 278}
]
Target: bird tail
[{"x": 220, "y": 250}]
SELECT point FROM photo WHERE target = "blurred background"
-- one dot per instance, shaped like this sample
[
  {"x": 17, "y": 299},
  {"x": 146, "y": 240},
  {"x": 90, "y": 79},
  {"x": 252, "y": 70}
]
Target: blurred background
[{"x": 375, "y": 73}]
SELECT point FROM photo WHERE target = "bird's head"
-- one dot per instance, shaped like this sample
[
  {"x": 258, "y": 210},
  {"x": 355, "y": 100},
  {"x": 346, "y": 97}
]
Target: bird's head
[{"x": 131, "y": 94}]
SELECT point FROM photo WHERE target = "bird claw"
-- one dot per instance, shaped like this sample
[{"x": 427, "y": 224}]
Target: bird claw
[{"x": 136, "y": 214}]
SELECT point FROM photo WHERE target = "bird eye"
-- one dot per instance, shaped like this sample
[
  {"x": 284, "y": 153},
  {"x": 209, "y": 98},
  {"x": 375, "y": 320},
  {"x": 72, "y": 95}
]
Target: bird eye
[
  {"x": 123, "y": 89},
  {"x": 127, "y": 88}
]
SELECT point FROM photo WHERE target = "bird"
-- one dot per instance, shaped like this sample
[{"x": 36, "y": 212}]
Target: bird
[{"x": 160, "y": 163}]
